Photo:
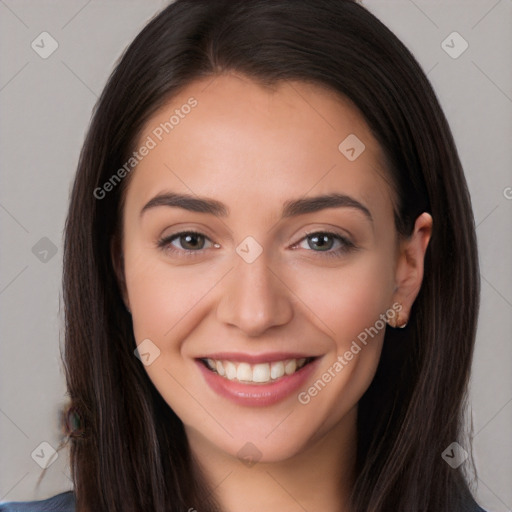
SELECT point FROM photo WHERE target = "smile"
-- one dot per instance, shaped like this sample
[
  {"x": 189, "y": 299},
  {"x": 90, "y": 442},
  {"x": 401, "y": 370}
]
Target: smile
[
  {"x": 257, "y": 380},
  {"x": 260, "y": 373}
]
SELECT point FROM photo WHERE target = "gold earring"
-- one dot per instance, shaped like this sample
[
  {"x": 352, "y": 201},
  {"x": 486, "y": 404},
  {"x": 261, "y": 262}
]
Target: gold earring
[
  {"x": 400, "y": 326},
  {"x": 395, "y": 322}
]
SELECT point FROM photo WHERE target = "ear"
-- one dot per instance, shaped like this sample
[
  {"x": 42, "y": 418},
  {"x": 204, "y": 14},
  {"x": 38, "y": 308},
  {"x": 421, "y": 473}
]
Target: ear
[
  {"x": 410, "y": 266},
  {"x": 116, "y": 254}
]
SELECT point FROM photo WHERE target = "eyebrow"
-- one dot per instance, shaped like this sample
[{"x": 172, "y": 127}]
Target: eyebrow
[{"x": 291, "y": 208}]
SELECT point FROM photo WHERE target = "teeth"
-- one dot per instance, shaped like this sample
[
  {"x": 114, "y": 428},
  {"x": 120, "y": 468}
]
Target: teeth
[
  {"x": 277, "y": 369},
  {"x": 244, "y": 372},
  {"x": 290, "y": 367},
  {"x": 230, "y": 370},
  {"x": 261, "y": 372},
  {"x": 258, "y": 373},
  {"x": 220, "y": 368}
]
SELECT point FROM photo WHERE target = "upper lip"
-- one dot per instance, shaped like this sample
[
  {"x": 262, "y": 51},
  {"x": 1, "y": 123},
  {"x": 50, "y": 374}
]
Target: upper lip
[{"x": 268, "y": 357}]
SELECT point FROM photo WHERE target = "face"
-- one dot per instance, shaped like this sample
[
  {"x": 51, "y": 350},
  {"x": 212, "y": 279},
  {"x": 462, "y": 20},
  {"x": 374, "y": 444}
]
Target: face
[{"x": 262, "y": 307}]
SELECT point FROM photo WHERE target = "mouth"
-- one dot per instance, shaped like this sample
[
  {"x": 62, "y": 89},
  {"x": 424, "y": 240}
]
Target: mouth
[
  {"x": 265, "y": 372},
  {"x": 257, "y": 380}
]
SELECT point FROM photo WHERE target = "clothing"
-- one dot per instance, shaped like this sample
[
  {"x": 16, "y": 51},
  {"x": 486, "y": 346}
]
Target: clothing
[{"x": 65, "y": 502}]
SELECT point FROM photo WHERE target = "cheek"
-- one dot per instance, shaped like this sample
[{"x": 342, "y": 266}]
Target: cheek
[
  {"x": 349, "y": 305},
  {"x": 161, "y": 296},
  {"x": 348, "y": 299},
  {"x": 168, "y": 302}
]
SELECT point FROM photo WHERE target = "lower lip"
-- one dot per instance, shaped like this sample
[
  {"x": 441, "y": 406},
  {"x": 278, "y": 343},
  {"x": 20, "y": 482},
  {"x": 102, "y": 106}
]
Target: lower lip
[{"x": 257, "y": 395}]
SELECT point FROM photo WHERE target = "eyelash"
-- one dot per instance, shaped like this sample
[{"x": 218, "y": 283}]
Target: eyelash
[{"x": 347, "y": 246}]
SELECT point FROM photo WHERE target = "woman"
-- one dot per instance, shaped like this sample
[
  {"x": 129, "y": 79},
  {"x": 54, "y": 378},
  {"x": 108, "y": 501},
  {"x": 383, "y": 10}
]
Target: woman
[{"x": 270, "y": 268}]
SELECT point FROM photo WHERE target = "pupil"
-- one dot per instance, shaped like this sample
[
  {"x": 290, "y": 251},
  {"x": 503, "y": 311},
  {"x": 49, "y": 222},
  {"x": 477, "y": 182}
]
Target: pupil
[
  {"x": 321, "y": 241},
  {"x": 191, "y": 239}
]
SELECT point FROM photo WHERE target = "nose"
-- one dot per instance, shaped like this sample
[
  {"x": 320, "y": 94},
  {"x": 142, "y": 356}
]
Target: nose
[{"x": 254, "y": 298}]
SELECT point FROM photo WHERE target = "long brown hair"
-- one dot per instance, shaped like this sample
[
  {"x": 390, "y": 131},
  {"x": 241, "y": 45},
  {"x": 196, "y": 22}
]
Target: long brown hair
[{"x": 131, "y": 453}]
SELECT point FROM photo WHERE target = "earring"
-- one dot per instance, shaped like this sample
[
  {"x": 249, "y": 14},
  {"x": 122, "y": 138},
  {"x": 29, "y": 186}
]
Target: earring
[
  {"x": 128, "y": 309},
  {"x": 395, "y": 323},
  {"x": 402, "y": 326}
]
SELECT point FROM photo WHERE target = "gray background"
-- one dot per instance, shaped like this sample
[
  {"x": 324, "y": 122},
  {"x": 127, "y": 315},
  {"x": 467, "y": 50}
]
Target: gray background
[{"x": 46, "y": 106}]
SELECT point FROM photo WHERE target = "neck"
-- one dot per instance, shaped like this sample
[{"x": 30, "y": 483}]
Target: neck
[{"x": 319, "y": 477}]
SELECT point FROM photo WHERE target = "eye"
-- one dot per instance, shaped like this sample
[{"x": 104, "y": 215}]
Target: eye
[
  {"x": 191, "y": 242},
  {"x": 324, "y": 241}
]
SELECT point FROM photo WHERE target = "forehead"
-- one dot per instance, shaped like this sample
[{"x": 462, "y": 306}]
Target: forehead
[{"x": 246, "y": 144}]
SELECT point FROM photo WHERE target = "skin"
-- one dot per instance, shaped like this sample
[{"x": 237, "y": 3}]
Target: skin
[{"x": 253, "y": 147}]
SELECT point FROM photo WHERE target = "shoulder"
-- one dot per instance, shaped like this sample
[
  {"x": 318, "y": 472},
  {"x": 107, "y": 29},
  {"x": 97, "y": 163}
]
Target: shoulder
[
  {"x": 473, "y": 507},
  {"x": 64, "y": 502}
]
